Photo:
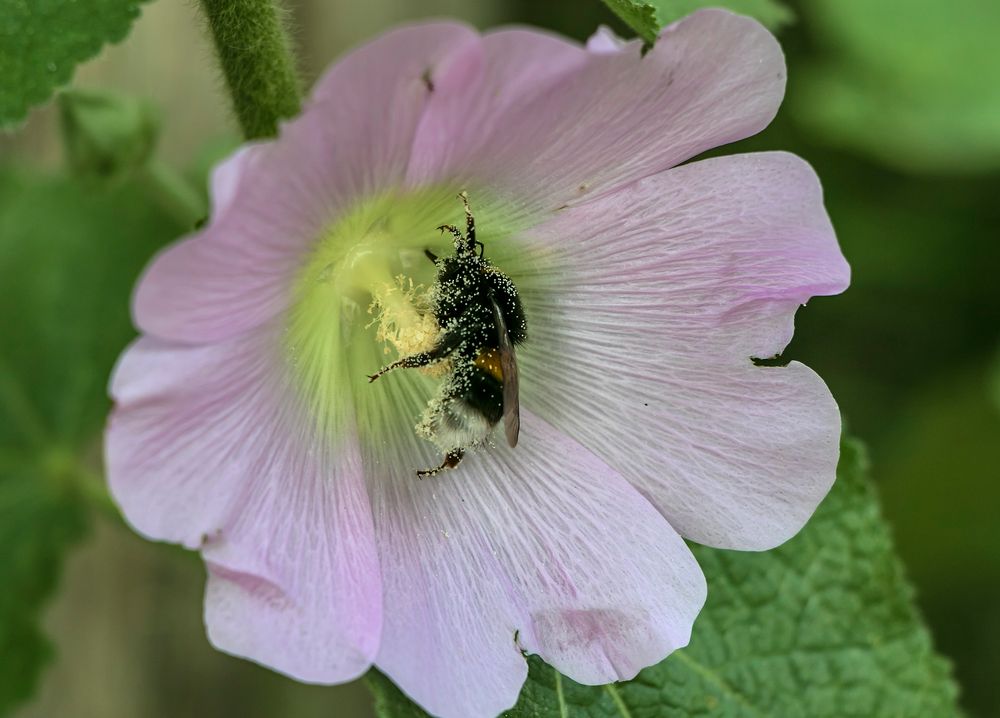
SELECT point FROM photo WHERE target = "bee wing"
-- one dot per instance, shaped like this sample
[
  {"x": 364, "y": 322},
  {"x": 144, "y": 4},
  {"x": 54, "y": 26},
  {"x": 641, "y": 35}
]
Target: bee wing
[{"x": 508, "y": 365}]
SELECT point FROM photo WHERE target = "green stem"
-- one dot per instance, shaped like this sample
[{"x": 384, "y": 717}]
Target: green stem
[
  {"x": 94, "y": 490},
  {"x": 255, "y": 52},
  {"x": 175, "y": 194}
]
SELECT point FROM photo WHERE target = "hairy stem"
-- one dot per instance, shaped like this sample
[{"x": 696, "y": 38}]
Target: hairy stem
[{"x": 256, "y": 56}]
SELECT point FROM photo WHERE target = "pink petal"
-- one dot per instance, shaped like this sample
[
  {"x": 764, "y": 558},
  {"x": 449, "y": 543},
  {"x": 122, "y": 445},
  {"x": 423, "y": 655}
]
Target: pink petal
[
  {"x": 511, "y": 68},
  {"x": 546, "y": 543},
  {"x": 207, "y": 447},
  {"x": 375, "y": 97},
  {"x": 604, "y": 40},
  {"x": 640, "y": 344},
  {"x": 273, "y": 200},
  {"x": 589, "y": 122}
]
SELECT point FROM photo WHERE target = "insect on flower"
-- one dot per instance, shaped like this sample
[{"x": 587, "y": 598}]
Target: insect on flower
[
  {"x": 245, "y": 427},
  {"x": 481, "y": 319}
]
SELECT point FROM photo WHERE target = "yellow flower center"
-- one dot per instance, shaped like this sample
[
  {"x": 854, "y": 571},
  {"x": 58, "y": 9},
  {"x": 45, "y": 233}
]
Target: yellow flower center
[{"x": 364, "y": 298}]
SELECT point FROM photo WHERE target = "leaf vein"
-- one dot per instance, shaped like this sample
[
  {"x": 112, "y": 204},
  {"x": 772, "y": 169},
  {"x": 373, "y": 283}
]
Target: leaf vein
[
  {"x": 563, "y": 708},
  {"x": 716, "y": 679},
  {"x": 617, "y": 698}
]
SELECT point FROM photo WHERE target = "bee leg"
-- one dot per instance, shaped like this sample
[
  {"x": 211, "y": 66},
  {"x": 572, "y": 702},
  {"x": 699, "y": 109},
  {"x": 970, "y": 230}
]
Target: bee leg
[
  {"x": 449, "y": 343},
  {"x": 410, "y": 362},
  {"x": 470, "y": 221},
  {"x": 455, "y": 231},
  {"x": 470, "y": 225},
  {"x": 430, "y": 255},
  {"x": 451, "y": 460}
]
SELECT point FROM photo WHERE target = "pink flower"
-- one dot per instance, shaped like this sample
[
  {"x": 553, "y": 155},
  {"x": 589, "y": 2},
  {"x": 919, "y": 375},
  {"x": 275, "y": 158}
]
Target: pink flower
[{"x": 245, "y": 427}]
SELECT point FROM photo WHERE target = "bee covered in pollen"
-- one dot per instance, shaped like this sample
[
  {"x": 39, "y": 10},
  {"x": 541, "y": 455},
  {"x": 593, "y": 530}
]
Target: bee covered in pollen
[{"x": 481, "y": 320}]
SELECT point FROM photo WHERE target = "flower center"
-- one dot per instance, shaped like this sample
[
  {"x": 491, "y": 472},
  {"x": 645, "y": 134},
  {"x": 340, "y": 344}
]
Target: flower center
[
  {"x": 405, "y": 321},
  {"x": 364, "y": 298},
  {"x": 330, "y": 333}
]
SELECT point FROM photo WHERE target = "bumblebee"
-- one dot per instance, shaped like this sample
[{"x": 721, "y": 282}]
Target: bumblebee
[{"x": 481, "y": 320}]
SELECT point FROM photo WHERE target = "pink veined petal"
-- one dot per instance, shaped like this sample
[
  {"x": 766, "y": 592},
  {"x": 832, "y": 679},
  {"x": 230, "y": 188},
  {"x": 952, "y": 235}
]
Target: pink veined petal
[
  {"x": 545, "y": 544},
  {"x": 513, "y": 67},
  {"x": 641, "y": 343},
  {"x": 273, "y": 200},
  {"x": 376, "y": 96},
  {"x": 594, "y": 121},
  {"x": 207, "y": 447}
]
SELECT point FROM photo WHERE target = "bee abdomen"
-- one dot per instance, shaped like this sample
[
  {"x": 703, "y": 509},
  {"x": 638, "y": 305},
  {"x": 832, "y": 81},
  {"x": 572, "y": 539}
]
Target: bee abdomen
[
  {"x": 488, "y": 360},
  {"x": 484, "y": 390}
]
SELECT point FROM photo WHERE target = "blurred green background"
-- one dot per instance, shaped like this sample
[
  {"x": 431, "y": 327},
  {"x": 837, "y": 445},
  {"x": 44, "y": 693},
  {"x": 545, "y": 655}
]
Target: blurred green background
[{"x": 896, "y": 104}]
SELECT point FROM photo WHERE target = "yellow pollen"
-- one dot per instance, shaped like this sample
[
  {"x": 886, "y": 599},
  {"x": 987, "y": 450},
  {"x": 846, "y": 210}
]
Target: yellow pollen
[{"x": 404, "y": 319}]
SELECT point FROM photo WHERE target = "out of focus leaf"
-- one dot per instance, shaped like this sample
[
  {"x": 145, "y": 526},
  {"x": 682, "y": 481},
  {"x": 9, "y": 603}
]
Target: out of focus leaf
[
  {"x": 939, "y": 479},
  {"x": 648, "y": 17},
  {"x": 69, "y": 253},
  {"x": 40, "y": 517},
  {"x": 823, "y": 626},
  {"x": 912, "y": 82},
  {"x": 995, "y": 382},
  {"x": 105, "y": 134},
  {"x": 41, "y": 42}
]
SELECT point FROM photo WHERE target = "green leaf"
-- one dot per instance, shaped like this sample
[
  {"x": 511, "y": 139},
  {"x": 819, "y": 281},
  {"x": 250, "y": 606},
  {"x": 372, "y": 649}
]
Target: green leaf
[
  {"x": 940, "y": 469},
  {"x": 647, "y": 18},
  {"x": 42, "y": 41},
  {"x": 105, "y": 134},
  {"x": 913, "y": 84},
  {"x": 995, "y": 381},
  {"x": 40, "y": 517},
  {"x": 69, "y": 254},
  {"x": 823, "y": 626}
]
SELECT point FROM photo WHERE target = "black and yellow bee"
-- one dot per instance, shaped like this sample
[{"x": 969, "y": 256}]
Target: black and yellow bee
[{"x": 481, "y": 319}]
